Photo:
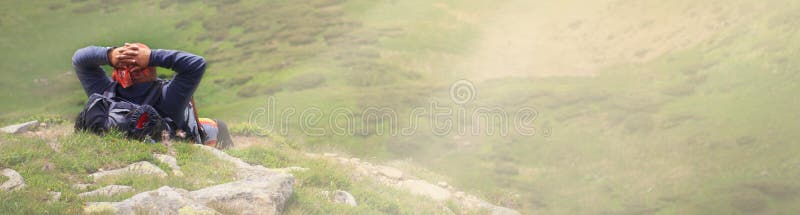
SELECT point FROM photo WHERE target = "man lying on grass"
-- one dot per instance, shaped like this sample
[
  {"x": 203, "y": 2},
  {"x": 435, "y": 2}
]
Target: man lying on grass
[{"x": 133, "y": 100}]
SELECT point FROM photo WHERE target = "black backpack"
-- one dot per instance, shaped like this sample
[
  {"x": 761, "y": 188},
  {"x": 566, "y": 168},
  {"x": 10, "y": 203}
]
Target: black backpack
[{"x": 105, "y": 112}]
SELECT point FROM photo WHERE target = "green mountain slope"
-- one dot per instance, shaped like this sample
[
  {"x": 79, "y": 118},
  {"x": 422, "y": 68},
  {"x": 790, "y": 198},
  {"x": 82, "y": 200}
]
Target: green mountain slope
[{"x": 644, "y": 106}]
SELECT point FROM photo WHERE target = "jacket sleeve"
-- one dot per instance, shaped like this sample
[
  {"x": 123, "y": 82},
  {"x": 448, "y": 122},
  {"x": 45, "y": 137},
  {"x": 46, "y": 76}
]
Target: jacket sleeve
[
  {"x": 189, "y": 69},
  {"x": 87, "y": 62}
]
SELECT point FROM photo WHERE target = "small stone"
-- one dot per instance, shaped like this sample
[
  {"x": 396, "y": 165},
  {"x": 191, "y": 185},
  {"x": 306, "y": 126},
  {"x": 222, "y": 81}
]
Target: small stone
[
  {"x": 390, "y": 172},
  {"x": 170, "y": 161},
  {"x": 20, "y": 128},
  {"x": 343, "y": 197},
  {"x": 54, "y": 196},
  {"x": 330, "y": 154},
  {"x": 15, "y": 181},
  {"x": 110, "y": 190},
  {"x": 443, "y": 184}
]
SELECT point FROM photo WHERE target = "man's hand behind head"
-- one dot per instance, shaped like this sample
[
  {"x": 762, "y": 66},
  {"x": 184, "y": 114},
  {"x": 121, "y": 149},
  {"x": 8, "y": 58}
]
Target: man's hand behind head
[
  {"x": 134, "y": 55},
  {"x": 131, "y": 64}
]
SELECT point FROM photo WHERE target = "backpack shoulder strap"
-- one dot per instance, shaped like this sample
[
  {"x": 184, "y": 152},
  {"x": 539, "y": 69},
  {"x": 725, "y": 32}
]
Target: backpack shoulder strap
[
  {"x": 154, "y": 93},
  {"x": 110, "y": 90},
  {"x": 197, "y": 118}
]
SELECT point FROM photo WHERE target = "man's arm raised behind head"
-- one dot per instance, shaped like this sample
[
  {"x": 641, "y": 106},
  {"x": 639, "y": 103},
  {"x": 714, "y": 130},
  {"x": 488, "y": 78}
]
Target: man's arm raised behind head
[
  {"x": 87, "y": 62},
  {"x": 189, "y": 69}
]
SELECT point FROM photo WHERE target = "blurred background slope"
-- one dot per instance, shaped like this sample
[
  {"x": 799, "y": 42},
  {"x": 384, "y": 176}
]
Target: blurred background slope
[{"x": 654, "y": 106}]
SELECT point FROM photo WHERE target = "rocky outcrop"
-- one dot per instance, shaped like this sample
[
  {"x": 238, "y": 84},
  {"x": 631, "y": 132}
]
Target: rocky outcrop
[
  {"x": 164, "y": 200},
  {"x": 20, "y": 128},
  {"x": 258, "y": 190},
  {"x": 394, "y": 177},
  {"x": 140, "y": 168},
  {"x": 244, "y": 170},
  {"x": 424, "y": 188},
  {"x": 107, "y": 191},
  {"x": 343, "y": 197},
  {"x": 15, "y": 181}
]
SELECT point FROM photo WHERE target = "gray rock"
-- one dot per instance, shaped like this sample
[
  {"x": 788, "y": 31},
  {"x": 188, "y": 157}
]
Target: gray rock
[
  {"x": 223, "y": 156},
  {"x": 140, "y": 168},
  {"x": 248, "y": 196},
  {"x": 81, "y": 186},
  {"x": 54, "y": 196},
  {"x": 343, "y": 197},
  {"x": 266, "y": 195},
  {"x": 170, "y": 161},
  {"x": 14, "y": 182},
  {"x": 390, "y": 172},
  {"x": 424, "y": 188},
  {"x": 107, "y": 191},
  {"x": 20, "y": 128},
  {"x": 164, "y": 200},
  {"x": 259, "y": 190}
]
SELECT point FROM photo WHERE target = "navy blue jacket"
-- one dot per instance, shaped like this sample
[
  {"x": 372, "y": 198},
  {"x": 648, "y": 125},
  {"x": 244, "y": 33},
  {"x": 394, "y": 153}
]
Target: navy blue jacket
[{"x": 189, "y": 69}]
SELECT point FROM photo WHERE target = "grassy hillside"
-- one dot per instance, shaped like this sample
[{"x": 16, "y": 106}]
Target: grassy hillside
[
  {"x": 653, "y": 107},
  {"x": 55, "y": 160}
]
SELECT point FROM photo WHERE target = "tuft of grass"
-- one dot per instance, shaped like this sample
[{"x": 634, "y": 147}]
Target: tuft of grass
[
  {"x": 304, "y": 81},
  {"x": 260, "y": 155}
]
